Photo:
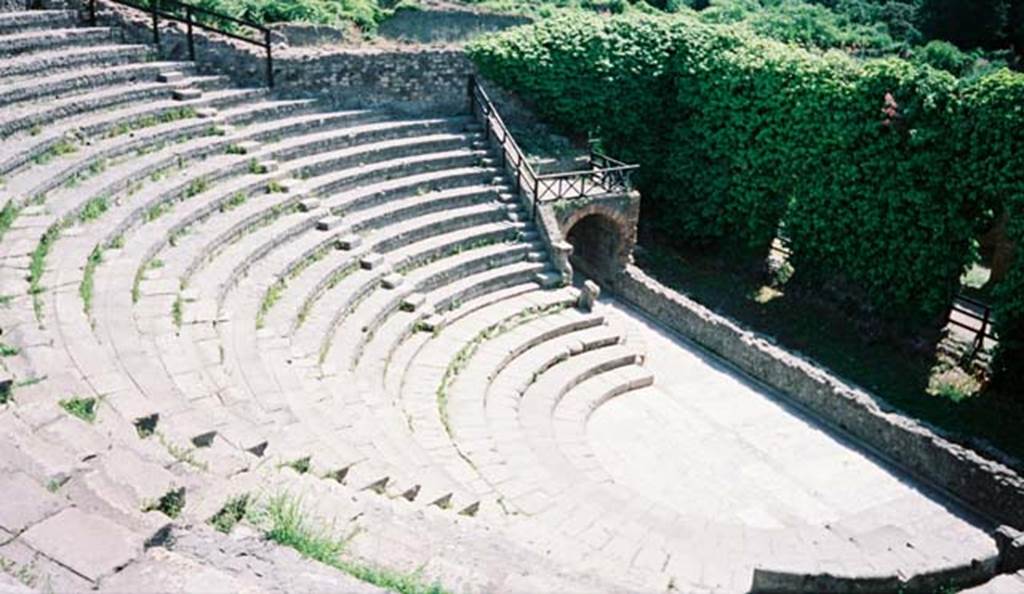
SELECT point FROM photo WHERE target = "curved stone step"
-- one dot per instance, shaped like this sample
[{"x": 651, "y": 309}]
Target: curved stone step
[
  {"x": 221, "y": 268},
  {"x": 26, "y": 66},
  {"x": 65, "y": 84},
  {"x": 136, "y": 123},
  {"x": 330, "y": 307},
  {"x": 48, "y": 39},
  {"x": 26, "y": 118},
  {"x": 28, "y": 20},
  {"x": 284, "y": 317},
  {"x": 481, "y": 269}
]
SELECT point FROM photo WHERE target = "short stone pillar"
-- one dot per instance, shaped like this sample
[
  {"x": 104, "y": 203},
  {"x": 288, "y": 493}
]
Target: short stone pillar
[{"x": 588, "y": 296}]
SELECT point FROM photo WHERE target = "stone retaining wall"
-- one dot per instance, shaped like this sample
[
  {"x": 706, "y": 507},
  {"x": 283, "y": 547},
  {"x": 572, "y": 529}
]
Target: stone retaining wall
[
  {"x": 420, "y": 79},
  {"x": 413, "y": 79},
  {"x": 988, "y": 487}
]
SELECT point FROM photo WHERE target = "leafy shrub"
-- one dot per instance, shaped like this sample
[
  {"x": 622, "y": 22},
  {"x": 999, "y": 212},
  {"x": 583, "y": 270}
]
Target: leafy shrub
[
  {"x": 590, "y": 75},
  {"x": 898, "y": 16},
  {"x": 880, "y": 172},
  {"x": 365, "y": 13},
  {"x": 991, "y": 134},
  {"x": 944, "y": 56},
  {"x": 809, "y": 25}
]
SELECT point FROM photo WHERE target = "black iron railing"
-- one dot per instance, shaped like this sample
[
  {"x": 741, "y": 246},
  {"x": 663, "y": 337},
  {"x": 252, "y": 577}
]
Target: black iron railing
[
  {"x": 605, "y": 174},
  {"x": 979, "y": 316},
  {"x": 180, "y": 12}
]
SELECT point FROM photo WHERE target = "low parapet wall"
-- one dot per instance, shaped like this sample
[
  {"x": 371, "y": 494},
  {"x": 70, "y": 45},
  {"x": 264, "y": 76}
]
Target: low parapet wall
[{"x": 988, "y": 487}]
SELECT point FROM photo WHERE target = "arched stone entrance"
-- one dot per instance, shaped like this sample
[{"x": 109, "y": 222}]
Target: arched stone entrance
[
  {"x": 602, "y": 234},
  {"x": 596, "y": 234},
  {"x": 598, "y": 244}
]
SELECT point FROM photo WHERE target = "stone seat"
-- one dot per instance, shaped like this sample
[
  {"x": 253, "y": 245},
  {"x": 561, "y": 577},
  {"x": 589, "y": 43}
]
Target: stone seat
[
  {"x": 24, "y": 148},
  {"x": 28, "y": 117},
  {"x": 374, "y": 309},
  {"x": 51, "y": 61},
  {"x": 64, "y": 84},
  {"x": 28, "y": 20},
  {"x": 303, "y": 288},
  {"x": 20, "y": 42},
  {"x": 225, "y": 267}
]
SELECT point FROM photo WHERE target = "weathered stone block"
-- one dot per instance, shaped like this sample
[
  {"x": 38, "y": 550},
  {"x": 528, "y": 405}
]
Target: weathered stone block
[
  {"x": 187, "y": 94},
  {"x": 170, "y": 76},
  {"x": 413, "y": 301},
  {"x": 24, "y": 502},
  {"x": 588, "y": 296},
  {"x": 90, "y": 545},
  {"x": 371, "y": 261},
  {"x": 328, "y": 223},
  {"x": 392, "y": 281},
  {"x": 350, "y": 242},
  {"x": 246, "y": 147},
  {"x": 1011, "y": 548},
  {"x": 267, "y": 166}
]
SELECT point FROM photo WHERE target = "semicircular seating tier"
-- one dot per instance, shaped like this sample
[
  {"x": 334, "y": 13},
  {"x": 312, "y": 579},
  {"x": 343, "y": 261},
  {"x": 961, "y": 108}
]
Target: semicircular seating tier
[{"x": 246, "y": 294}]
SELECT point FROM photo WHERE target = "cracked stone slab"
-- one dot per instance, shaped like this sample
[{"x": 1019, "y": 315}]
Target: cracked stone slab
[
  {"x": 24, "y": 502},
  {"x": 91, "y": 546},
  {"x": 166, "y": 571}
]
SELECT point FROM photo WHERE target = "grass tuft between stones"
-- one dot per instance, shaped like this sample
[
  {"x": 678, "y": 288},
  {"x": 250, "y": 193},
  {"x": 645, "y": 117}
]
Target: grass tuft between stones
[
  {"x": 233, "y": 512},
  {"x": 283, "y": 521},
  {"x": 83, "y": 408},
  {"x": 170, "y": 504}
]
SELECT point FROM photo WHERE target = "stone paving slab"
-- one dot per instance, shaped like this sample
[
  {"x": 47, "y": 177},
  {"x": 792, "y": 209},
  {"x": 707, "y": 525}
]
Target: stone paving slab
[
  {"x": 711, "y": 445},
  {"x": 23, "y": 502},
  {"x": 89, "y": 545}
]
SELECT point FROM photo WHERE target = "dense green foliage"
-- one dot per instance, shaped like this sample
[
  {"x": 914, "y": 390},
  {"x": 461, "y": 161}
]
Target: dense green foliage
[
  {"x": 365, "y": 13},
  {"x": 993, "y": 175},
  {"x": 872, "y": 26},
  {"x": 859, "y": 161},
  {"x": 800, "y": 22}
]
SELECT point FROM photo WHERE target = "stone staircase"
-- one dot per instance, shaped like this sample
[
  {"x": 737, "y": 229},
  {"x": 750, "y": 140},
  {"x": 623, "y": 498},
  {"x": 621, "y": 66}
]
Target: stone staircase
[
  {"x": 259, "y": 296},
  {"x": 263, "y": 296}
]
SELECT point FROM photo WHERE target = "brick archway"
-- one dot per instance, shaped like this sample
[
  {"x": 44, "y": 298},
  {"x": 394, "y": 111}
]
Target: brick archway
[{"x": 602, "y": 237}]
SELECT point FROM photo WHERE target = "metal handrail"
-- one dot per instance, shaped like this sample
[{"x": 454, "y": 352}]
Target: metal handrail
[
  {"x": 155, "y": 12},
  {"x": 605, "y": 174}
]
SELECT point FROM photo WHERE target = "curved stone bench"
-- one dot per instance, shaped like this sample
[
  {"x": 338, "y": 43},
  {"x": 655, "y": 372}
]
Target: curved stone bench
[
  {"x": 65, "y": 84},
  {"x": 50, "y": 60}
]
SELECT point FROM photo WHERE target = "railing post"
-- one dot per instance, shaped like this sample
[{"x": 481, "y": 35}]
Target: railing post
[
  {"x": 92, "y": 12},
  {"x": 984, "y": 329},
  {"x": 270, "y": 59},
  {"x": 191, "y": 40},
  {"x": 471, "y": 92},
  {"x": 533, "y": 201},
  {"x": 154, "y": 6}
]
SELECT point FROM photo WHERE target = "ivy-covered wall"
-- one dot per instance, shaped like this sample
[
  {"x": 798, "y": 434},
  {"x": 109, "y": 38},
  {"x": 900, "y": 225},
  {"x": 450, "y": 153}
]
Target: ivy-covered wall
[{"x": 880, "y": 171}]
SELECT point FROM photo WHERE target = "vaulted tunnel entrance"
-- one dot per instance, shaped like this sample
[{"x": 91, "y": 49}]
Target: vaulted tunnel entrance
[{"x": 598, "y": 245}]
